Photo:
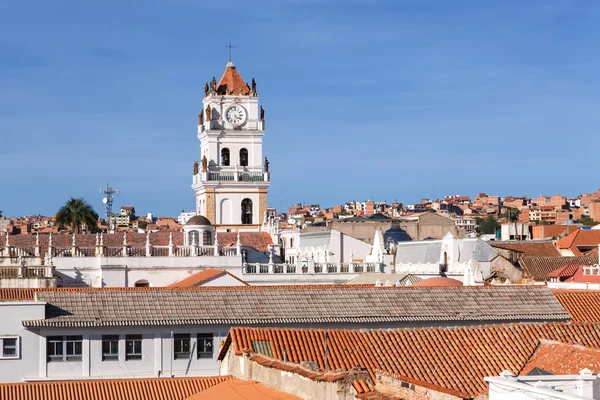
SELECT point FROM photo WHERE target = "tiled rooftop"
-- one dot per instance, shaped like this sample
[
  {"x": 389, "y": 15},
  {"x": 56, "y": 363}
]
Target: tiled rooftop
[
  {"x": 560, "y": 358},
  {"x": 539, "y": 267},
  {"x": 452, "y": 359},
  {"x": 114, "y": 389},
  {"x": 256, "y": 240},
  {"x": 583, "y": 305},
  {"x": 579, "y": 239},
  {"x": 290, "y": 305},
  {"x": 204, "y": 276},
  {"x": 564, "y": 272},
  {"x": 528, "y": 248},
  {"x": 231, "y": 83}
]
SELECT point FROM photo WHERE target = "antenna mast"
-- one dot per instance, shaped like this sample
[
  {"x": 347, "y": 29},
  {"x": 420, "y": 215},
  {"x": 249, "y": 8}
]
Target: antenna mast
[{"x": 109, "y": 194}]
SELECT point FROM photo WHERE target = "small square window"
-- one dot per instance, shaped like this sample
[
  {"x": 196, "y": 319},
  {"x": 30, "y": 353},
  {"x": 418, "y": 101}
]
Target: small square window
[
  {"x": 10, "y": 347},
  {"x": 181, "y": 346},
  {"x": 110, "y": 347},
  {"x": 133, "y": 347}
]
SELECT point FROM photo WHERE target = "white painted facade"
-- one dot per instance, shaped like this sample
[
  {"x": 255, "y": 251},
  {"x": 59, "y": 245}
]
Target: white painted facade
[
  {"x": 227, "y": 183},
  {"x": 586, "y": 385}
]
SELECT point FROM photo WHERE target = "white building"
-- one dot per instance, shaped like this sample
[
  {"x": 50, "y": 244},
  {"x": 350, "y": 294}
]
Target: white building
[
  {"x": 184, "y": 217},
  {"x": 231, "y": 185}
]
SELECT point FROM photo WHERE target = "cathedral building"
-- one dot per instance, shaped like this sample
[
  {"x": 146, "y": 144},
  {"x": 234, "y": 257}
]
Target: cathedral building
[{"x": 232, "y": 179}]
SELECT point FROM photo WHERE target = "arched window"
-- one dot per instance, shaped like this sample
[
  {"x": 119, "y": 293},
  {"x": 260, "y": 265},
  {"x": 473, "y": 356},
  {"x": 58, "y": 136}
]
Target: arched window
[
  {"x": 142, "y": 283},
  {"x": 247, "y": 212},
  {"x": 193, "y": 237},
  {"x": 445, "y": 258},
  {"x": 207, "y": 238},
  {"x": 225, "y": 157},
  {"x": 244, "y": 157}
]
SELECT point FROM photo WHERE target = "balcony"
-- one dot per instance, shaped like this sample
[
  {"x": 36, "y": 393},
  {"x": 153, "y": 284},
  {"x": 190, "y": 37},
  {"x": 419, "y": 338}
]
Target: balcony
[
  {"x": 27, "y": 277},
  {"x": 231, "y": 176}
]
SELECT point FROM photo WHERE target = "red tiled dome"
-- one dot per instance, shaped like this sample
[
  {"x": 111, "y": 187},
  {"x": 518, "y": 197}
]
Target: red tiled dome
[{"x": 439, "y": 281}]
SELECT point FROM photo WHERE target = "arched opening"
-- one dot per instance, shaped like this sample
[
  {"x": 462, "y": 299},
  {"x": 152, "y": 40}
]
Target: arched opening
[
  {"x": 445, "y": 258},
  {"x": 291, "y": 242},
  {"x": 141, "y": 283},
  {"x": 244, "y": 157},
  {"x": 247, "y": 212},
  {"x": 193, "y": 238},
  {"x": 207, "y": 238},
  {"x": 225, "y": 157}
]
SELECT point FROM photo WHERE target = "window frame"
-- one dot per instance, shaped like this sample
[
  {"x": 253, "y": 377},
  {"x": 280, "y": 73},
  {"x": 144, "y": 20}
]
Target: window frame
[
  {"x": 17, "y": 347},
  {"x": 113, "y": 353},
  {"x": 133, "y": 340},
  {"x": 66, "y": 348},
  {"x": 204, "y": 340},
  {"x": 181, "y": 341}
]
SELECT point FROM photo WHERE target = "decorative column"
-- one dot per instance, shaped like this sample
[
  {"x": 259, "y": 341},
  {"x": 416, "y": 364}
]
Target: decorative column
[
  {"x": 238, "y": 245},
  {"x": 148, "y": 247},
  {"x": 171, "y": 245},
  {"x": 37, "y": 245},
  {"x": 124, "y": 244},
  {"x": 73, "y": 247},
  {"x": 97, "y": 251},
  {"x": 101, "y": 244},
  {"x": 50, "y": 247},
  {"x": 217, "y": 247},
  {"x": 7, "y": 245}
]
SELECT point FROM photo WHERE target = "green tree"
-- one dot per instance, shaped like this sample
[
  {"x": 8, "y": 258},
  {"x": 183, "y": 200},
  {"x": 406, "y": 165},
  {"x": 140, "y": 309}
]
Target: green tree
[
  {"x": 487, "y": 225},
  {"x": 587, "y": 220},
  {"x": 77, "y": 212},
  {"x": 1, "y": 215},
  {"x": 511, "y": 214}
]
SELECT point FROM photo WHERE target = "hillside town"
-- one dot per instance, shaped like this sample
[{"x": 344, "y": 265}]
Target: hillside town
[{"x": 472, "y": 296}]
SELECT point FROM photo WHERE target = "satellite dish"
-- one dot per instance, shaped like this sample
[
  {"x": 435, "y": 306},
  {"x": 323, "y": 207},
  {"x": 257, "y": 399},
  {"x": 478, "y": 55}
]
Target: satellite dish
[{"x": 105, "y": 200}]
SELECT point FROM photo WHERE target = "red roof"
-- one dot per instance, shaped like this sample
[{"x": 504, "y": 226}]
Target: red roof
[
  {"x": 583, "y": 305},
  {"x": 236, "y": 389},
  {"x": 580, "y": 241},
  {"x": 564, "y": 272},
  {"x": 452, "y": 359},
  {"x": 114, "y": 389},
  {"x": 528, "y": 248},
  {"x": 204, "y": 276},
  {"x": 562, "y": 358},
  {"x": 439, "y": 281},
  {"x": 232, "y": 83}
]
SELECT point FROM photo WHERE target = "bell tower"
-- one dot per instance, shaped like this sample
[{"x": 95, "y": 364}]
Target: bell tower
[{"x": 232, "y": 179}]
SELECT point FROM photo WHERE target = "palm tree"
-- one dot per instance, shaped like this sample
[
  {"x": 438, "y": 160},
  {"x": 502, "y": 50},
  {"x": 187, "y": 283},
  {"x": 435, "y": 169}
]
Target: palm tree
[{"x": 77, "y": 212}]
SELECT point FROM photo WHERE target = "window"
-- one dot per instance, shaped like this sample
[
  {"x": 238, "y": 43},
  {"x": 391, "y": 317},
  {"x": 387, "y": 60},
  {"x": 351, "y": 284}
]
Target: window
[
  {"x": 142, "y": 283},
  {"x": 181, "y": 346},
  {"x": 110, "y": 347},
  {"x": 64, "y": 348},
  {"x": 133, "y": 347},
  {"x": 10, "y": 347},
  {"x": 247, "y": 212},
  {"x": 205, "y": 345},
  {"x": 244, "y": 157},
  {"x": 225, "y": 157}
]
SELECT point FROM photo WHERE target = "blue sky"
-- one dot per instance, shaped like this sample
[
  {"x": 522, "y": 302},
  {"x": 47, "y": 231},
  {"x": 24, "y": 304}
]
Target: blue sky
[{"x": 388, "y": 100}]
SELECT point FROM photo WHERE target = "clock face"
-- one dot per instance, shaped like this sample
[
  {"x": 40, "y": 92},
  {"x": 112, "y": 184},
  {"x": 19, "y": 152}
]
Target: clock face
[{"x": 236, "y": 114}]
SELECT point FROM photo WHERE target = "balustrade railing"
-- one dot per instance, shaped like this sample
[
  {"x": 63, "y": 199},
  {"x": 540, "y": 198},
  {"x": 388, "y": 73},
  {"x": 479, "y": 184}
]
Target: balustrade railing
[
  {"x": 251, "y": 177},
  {"x": 26, "y": 272},
  {"x": 136, "y": 251},
  {"x": 318, "y": 268},
  {"x": 221, "y": 176},
  {"x": 160, "y": 252},
  {"x": 85, "y": 252}
]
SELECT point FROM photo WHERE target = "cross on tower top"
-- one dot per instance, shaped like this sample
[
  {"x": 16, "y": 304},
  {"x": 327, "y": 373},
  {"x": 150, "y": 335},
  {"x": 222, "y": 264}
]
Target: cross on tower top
[{"x": 230, "y": 47}]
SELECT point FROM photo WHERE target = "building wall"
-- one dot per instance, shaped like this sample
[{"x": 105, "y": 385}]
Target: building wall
[{"x": 11, "y": 315}]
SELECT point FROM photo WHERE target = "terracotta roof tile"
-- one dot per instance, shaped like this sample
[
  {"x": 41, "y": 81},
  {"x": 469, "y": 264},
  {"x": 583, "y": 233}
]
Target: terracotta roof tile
[
  {"x": 114, "y": 389},
  {"x": 583, "y": 305},
  {"x": 528, "y": 248},
  {"x": 579, "y": 240},
  {"x": 236, "y": 389},
  {"x": 256, "y": 240},
  {"x": 564, "y": 272},
  {"x": 450, "y": 359},
  {"x": 231, "y": 83},
  {"x": 204, "y": 276},
  {"x": 539, "y": 267},
  {"x": 560, "y": 358}
]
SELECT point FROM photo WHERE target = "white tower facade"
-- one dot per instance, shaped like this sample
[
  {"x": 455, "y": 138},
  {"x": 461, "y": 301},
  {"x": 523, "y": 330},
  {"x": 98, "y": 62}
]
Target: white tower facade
[{"x": 232, "y": 179}]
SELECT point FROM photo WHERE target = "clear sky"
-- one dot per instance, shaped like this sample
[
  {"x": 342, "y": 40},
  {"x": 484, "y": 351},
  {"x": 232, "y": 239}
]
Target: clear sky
[{"x": 398, "y": 99}]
